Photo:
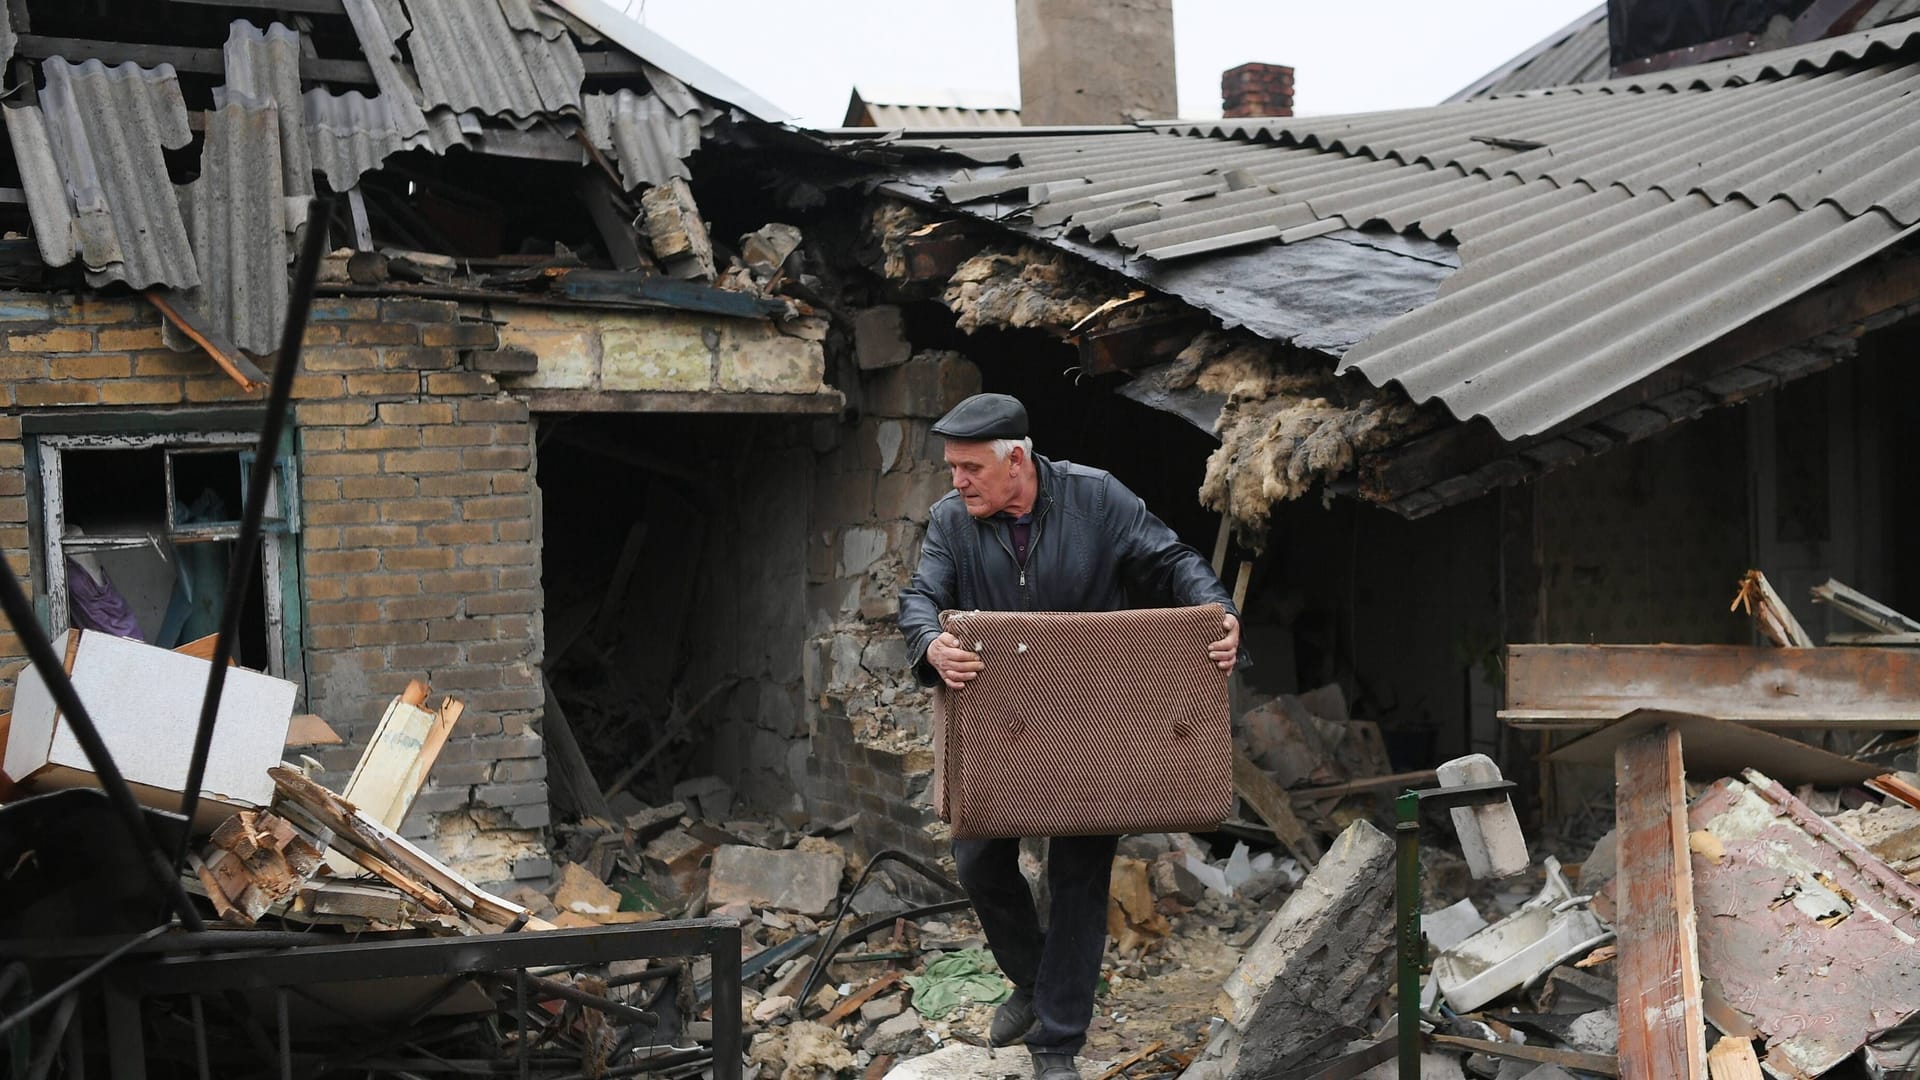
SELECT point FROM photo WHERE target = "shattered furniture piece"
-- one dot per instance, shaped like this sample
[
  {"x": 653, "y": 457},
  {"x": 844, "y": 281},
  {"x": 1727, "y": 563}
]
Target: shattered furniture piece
[
  {"x": 146, "y": 702},
  {"x": 1806, "y": 939},
  {"x": 1547, "y": 930},
  {"x": 1042, "y": 744}
]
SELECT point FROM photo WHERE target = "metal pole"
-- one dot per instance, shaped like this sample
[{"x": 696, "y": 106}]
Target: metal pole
[
  {"x": 246, "y": 549},
  {"x": 726, "y": 1003},
  {"x": 1406, "y": 901}
]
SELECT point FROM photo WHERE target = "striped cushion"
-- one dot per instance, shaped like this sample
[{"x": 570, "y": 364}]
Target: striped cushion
[{"x": 1085, "y": 723}]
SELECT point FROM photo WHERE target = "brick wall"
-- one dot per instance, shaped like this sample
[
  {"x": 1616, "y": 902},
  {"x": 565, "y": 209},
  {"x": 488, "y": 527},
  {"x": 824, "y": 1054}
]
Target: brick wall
[
  {"x": 871, "y": 723},
  {"x": 420, "y": 547}
]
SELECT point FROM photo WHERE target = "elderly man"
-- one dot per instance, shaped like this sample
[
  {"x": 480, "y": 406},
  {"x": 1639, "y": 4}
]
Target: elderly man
[{"x": 1023, "y": 533}]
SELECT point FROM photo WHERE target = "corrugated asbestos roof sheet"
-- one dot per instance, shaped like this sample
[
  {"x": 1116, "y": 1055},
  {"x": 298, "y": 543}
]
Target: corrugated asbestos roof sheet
[
  {"x": 98, "y": 188},
  {"x": 99, "y": 174},
  {"x": 236, "y": 214},
  {"x": 920, "y": 117},
  {"x": 1603, "y": 232},
  {"x": 471, "y": 58}
]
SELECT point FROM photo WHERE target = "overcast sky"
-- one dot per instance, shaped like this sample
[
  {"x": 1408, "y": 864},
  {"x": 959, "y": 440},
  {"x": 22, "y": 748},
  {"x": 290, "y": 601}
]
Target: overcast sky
[{"x": 1348, "y": 55}]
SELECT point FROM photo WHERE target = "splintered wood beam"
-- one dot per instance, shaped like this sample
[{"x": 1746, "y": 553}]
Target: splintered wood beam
[
  {"x": 1662, "y": 1022},
  {"x": 1584, "y": 686},
  {"x": 208, "y": 336},
  {"x": 1733, "y": 1059},
  {"x": 1603, "y": 1064},
  {"x": 1271, "y": 803}
]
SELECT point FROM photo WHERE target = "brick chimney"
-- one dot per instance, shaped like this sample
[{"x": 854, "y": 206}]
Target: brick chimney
[{"x": 1257, "y": 90}]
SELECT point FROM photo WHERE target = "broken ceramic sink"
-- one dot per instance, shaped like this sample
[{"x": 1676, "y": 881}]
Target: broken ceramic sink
[{"x": 1548, "y": 930}]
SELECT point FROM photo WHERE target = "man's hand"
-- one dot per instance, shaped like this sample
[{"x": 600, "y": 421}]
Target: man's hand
[
  {"x": 1223, "y": 652},
  {"x": 957, "y": 666}
]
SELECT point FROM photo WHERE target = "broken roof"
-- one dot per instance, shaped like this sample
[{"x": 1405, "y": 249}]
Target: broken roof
[
  {"x": 504, "y": 76},
  {"x": 1602, "y": 231},
  {"x": 906, "y": 108}
]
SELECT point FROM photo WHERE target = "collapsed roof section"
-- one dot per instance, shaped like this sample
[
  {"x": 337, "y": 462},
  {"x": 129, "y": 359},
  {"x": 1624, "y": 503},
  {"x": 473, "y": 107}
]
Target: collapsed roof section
[
  {"x": 1602, "y": 233},
  {"x": 506, "y": 77}
]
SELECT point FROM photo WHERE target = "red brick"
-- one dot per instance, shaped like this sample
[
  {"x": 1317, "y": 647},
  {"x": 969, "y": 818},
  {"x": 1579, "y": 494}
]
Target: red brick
[
  {"x": 498, "y": 555},
  {"x": 383, "y": 438},
  {"x": 323, "y": 440},
  {"x": 318, "y": 386},
  {"x": 421, "y": 657},
  {"x": 516, "y": 529},
  {"x": 423, "y": 461},
  {"x": 495, "y": 652},
  {"x": 415, "y": 559},
  {"x": 512, "y": 483},
  {"x": 461, "y": 630},
  {"x": 343, "y": 513},
  {"x": 371, "y": 585},
  {"x": 348, "y": 464},
  {"x": 377, "y": 487},
  {"x": 329, "y": 637},
  {"x": 497, "y": 410},
  {"x": 339, "y": 359},
  {"x": 381, "y": 536},
  {"x": 336, "y": 614},
  {"x": 147, "y": 337},
  {"x": 380, "y": 333},
  {"x": 33, "y": 394},
  {"x": 421, "y": 359},
  {"x": 504, "y": 603},
  {"x": 417, "y": 510},
  {"x": 87, "y": 308},
  {"x": 429, "y": 412},
  {"x": 456, "y": 582},
  {"x": 69, "y": 339},
  {"x": 385, "y": 382},
  {"x": 461, "y": 382},
  {"x": 418, "y": 311},
  {"x": 324, "y": 588},
  {"x": 9, "y": 427},
  {"x": 457, "y": 435},
  {"x": 91, "y": 367},
  {"x": 13, "y": 483},
  {"x": 220, "y": 388},
  {"x": 496, "y": 507},
  {"x": 456, "y": 484},
  {"x": 462, "y": 335},
  {"x": 320, "y": 539},
  {"x": 319, "y": 334},
  {"x": 496, "y": 457},
  {"x": 457, "y": 534},
  {"x": 141, "y": 392},
  {"x": 334, "y": 413},
  {"x": 316, "y": 489},
  {"x": 421, "y": 607},
  {"x": 169, "y": 363},
  {"x": 389, "y": 633}
]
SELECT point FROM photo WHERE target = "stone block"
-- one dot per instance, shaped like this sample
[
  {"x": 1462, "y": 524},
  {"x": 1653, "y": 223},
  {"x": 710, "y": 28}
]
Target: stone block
[
  {"x": 582, "y": 892},
  {"x": 801, "y": 881},
  {"x": 773, "y": 364},
  {"x": 706, "y": 797},
  {"x": 679, "y": 854},
  {"x": 568, "y": 359},
  {"x": 670, "y": 353},
  {"x": 1320, "y": 963},
  {"x": 860, "y": 547},
  {"x": 880, "y": 338}
]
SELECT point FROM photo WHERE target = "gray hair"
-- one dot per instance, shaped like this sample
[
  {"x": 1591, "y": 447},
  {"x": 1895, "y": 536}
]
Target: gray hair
[{"x": 1003, "y": 447}]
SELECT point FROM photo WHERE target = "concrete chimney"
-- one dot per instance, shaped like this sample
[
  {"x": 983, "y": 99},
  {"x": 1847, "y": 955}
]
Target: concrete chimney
[
  {"x": 1257, "y": 90},
  {"x": 1095, "y": 61}
]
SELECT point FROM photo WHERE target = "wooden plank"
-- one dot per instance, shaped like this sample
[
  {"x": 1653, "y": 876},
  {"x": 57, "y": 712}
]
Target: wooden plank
[
  {"x": 1271, "y": 803},
  {"x": 851, "y": 1004},
  {"x": 198, "y": 61},
  {"x": 613, "y": 217},
  {"x": 1662, "y": 1022},
  {"x": 1733, "y": 1059},
  {"x": 362, "y": 228},
  {"x": 1415, "y": 779},
  {"x": 1604, "y": 1064},
  {"x": 569, "y": 776},
  {"x": 1586, "y": 685},
  {"x": 1893, "y": 787},
  {"x": 1863, "y": 609},
  {"x": 208, "y": 336}
]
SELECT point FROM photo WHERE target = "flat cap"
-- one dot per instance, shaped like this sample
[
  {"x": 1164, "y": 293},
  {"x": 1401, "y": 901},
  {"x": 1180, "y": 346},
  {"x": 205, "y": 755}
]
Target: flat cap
[{"x": 985, "y": 416}]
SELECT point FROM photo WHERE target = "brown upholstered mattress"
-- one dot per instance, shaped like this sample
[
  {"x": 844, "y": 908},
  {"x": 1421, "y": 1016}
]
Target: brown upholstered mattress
[{"x": 1085, "y": 723}]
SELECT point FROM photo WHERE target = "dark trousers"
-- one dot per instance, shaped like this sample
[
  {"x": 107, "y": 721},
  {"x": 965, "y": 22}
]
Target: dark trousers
[{"x": 1061, "y": 966}]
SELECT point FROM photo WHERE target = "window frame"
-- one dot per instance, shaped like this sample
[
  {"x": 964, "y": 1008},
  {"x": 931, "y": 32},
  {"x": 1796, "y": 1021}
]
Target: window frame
[{"x": 279, "y": 561}]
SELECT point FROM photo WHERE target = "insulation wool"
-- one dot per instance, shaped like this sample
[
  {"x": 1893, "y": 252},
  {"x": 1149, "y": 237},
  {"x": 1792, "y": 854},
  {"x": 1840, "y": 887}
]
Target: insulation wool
[{"x": 1028, "y": 288}]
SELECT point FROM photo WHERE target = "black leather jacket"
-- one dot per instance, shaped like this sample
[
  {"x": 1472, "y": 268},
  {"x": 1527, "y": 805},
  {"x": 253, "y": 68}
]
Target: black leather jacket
[{"x": 1094, "y": 547}]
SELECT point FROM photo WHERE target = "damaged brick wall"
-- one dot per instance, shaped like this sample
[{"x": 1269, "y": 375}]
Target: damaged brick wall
[
  {"x": 419, "y": 549},
  {"x": 872, "y": 725}
]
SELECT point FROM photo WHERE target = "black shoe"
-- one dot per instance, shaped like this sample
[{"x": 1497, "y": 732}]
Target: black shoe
[
  {"x": 1013, "y": 1021},
  {"x": 1054, "y": 1067}
]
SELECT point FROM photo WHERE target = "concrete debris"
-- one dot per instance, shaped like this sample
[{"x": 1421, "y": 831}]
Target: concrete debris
[
  {"x": 580, "y": 892},
  {"x": 885, "y": 1008},
  {"x": 770, "y": 1008},
  {"x": 677, "y": 859},
  {"x": 1321, "y": 962},
  {"x": 706, "y": 797},
  {"x": 960, "y": 1061},
  {"x": 1890, "y": 831},
  {"x": 1432, "y": 1067},
  {"x": 676, "y": 232},
  {"x": 880, "y": 338},
  {"x": 1490, "y": 836},
  {"x": 649, "y": 823},
  {"x": 806, "y": 882},
  {"x": 896, "y": 1035}
]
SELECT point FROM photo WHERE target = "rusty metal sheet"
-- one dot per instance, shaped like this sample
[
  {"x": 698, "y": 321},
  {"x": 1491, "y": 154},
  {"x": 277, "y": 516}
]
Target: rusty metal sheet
[
  {"x": 1584, "y": 686},
  {"x": 1804, "y": 935}
]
